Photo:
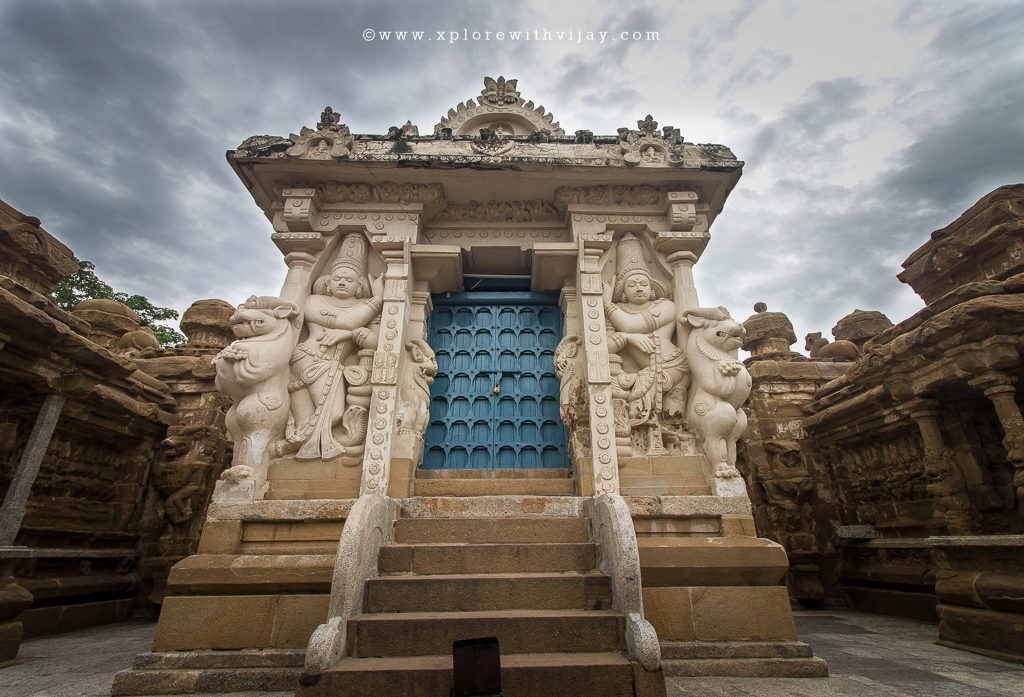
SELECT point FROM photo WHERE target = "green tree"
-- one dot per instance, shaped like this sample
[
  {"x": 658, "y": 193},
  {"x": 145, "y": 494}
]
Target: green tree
[{"x": 84, "y": 284}]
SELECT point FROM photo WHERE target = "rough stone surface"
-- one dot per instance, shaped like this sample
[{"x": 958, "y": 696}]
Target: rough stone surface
[{"x": 916, "y": 444}]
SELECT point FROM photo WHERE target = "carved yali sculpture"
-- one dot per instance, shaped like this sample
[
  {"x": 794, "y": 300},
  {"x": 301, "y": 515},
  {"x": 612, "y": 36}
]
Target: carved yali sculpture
[
  {"x": 720, "y": 385},
  {"x": 330, "y": 385},
  {"x": 647, "y": 365},
  {"x": 414, "y": 403},
  {"x": 253, "y": 372}
]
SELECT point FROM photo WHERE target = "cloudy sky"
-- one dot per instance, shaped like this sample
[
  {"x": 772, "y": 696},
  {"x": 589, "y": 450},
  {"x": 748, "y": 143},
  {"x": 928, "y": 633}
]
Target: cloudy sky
[{"x": 864, "y": 125}]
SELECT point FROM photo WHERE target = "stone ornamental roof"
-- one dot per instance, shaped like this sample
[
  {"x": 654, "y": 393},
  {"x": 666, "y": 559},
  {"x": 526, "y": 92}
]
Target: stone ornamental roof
[{"x": 498, "y": 128}]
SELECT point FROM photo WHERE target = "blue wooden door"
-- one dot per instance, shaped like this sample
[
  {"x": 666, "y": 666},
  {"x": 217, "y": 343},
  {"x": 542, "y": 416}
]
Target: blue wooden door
[{"x": 494, "y": 402}]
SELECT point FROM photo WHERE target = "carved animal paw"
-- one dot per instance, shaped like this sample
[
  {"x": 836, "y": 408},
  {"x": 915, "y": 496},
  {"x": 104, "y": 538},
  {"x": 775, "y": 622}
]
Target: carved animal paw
[
  {"x": 729, "y": 368},
  {"x": 236, "y": 474},
  {"x": 726, "y": 471},
  {"x": 233, "y": 353}
]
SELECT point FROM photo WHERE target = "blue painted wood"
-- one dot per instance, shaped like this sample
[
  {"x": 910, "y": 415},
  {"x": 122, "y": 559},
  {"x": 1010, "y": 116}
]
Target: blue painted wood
[{"x": 494, "y": 402}]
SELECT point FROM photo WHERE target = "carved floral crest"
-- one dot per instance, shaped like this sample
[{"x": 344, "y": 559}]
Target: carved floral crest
[{"x": 502, "y": 110}]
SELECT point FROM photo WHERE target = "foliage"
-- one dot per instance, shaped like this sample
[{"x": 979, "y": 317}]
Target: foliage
[{"x": 84, "y": 284}]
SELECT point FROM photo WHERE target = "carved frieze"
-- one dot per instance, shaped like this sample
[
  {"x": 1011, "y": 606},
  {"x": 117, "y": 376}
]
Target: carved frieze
[{"x": 499, "y": 212}]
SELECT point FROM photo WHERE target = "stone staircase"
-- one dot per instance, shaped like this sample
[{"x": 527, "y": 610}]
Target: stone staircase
[
  {"x": 529, "y": 580},
  {"x": 266, "y": 672},
  {"x": 496, "y": 482}
]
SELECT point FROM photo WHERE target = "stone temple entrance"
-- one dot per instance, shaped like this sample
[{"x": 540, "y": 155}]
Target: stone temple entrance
[{"x": 494, "y": 402}]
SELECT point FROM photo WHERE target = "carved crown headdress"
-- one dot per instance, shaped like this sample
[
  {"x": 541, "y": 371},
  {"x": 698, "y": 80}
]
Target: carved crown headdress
[
  {"x": 630, "y": 260},
  {"x": 352, "y": 254}
]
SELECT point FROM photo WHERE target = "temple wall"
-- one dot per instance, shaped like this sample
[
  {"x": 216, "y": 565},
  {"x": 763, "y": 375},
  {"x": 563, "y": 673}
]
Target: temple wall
[
  {"x": 137, "y": 441},
  {"x": 904, "y": 478}
]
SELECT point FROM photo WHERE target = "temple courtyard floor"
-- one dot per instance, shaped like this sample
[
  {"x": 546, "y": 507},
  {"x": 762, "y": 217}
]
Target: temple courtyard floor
[{"x": 868, "y": 656}]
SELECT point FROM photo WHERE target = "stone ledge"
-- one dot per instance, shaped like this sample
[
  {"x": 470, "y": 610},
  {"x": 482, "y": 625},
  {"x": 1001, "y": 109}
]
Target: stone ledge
[
  {"x": 685, "y": 506},
  {"x": 295, "y": 510}
]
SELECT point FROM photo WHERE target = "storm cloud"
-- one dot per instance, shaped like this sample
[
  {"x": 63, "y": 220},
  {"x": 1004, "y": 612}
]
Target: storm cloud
[{"x": 864, "y": 125}]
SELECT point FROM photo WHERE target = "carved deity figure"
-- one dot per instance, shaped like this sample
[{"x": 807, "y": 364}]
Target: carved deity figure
[
  {"x": 341, "y": 317},
  {"x": 253, "y": 373},
  {"x": 646, "y": 365},
  {"x": 720, "y": 385}
]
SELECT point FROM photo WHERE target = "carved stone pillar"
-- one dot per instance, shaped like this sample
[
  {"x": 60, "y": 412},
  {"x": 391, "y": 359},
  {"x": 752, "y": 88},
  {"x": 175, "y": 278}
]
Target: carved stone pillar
[
  {"x": 599, "y": 391},
  {"x": 681, "y": 263},
  {"x": 13, "y": 510},
  {"x": 948, "y": 485},
  {"x": 1001, "y": 391},
  {"x": 386, "y": 365},
  {"x": 299, "y": 250}
]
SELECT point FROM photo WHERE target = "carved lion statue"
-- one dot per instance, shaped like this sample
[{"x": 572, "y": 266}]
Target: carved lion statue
[
  {"x": 414, "y": 403},
  {"x": 253, "y": 372},
  {"x": 720, "y": 384}
]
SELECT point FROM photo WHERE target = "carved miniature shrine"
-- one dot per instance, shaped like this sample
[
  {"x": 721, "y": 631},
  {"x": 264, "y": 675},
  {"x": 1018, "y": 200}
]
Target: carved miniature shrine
[
  {"x": 487, "y": 402},
  {"x": 489, "y": 334}
]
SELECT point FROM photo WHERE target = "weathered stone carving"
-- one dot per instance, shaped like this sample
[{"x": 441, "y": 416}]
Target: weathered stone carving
[
  {"x": 364, "y": 192},
  {"x": 108, "y": 320},
  {"x": 768, "y": 335},
  {"x": 330, "y": 140},
  {"x": 185, "y": 474},
  {"x": 499, "y": 212},
  {"x": 646, "y": 146},
  {"x": 612, "y": 195},
  {"x": 861, "y": 325},
  {"x": 341, "y": 317},
  {"x": 253, "y": 372},
  {"x": 646, "y": 364},
  {"x": 720, "y": 385},
  {"x": 821, "y": 350},
  {"x": 500, "y": 107},
  {"x": 414, "y": 400},
  {"x": 138, "y": 342}
]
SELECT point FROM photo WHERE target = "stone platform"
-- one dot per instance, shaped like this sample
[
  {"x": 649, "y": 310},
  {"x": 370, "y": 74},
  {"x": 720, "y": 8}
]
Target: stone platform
[{"x": 869, "y": 656}]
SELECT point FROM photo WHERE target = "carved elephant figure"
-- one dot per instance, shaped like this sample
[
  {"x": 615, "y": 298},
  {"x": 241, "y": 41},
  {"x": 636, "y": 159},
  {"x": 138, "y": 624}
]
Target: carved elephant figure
[
  {"x": 253, "y": 372},
  {"x": 720, "y": 384}
]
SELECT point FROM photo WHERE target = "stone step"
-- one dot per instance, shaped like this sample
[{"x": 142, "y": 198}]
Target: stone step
[
  {"x": 746, "y": 667},
  {"x": 734, "y": 649},
  {"x": 522, "y": 675},
  {"x": 494, "y": 487},
  {"x": 518, "y": 631},
  {"x": 190, "y": 681},
  {"x": 487, "y": 558},
  {"x": 493, "y": 506},
  {"x": 508, "y": 473},
  {"x": 491, "y": 530},
  {"x": 469, "y": 592},
  {"x": 244, "y": 658}
]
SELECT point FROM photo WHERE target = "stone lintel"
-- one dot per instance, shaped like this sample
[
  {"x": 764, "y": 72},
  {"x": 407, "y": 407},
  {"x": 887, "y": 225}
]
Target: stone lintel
[{"x": 439, "y": 266}]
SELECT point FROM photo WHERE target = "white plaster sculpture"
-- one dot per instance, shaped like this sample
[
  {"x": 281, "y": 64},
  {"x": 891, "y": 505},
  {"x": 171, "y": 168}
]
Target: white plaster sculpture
[
  {"x": 414, "y": 403},
  {"x": 720, "y": 385},
  {"x": 253, "y": 372},
  {"x": 642, "y": 329},
  {"x": 341, "y": 316}
]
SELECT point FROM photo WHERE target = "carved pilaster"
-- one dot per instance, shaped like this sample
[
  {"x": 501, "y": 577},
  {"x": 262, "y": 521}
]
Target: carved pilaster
[
  {"x": 599, "y": 393},
  {"x": 1001, "y": 390},
  {"x": 386, "y": 363},
  {"x": 948, "y": 484}
]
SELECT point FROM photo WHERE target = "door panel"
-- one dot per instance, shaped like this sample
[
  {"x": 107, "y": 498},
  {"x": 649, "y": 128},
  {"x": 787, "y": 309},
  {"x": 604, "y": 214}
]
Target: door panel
[{"x": 494, "y": 402}]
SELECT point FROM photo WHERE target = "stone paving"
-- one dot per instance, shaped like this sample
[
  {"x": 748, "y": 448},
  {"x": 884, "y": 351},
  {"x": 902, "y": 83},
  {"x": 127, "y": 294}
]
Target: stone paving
[{"x": 868, "y": 656}]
